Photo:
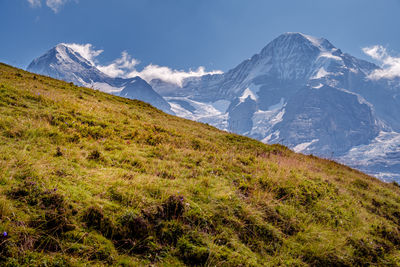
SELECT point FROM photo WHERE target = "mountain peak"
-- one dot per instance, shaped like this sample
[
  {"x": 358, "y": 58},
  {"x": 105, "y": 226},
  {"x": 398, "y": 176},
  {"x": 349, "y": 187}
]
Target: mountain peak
[
  {"x": 61, "y": 46},
  {"x": 294, "y": 41},
  {"x": 66, "y": 63},
  {"x": 63, "y": 62},
  {"x": 322, "y": 43},
  {"x": 67, "y": 53}
]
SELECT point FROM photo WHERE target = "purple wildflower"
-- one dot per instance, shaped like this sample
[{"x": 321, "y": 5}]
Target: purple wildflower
[{"x": 5, "y": 234}]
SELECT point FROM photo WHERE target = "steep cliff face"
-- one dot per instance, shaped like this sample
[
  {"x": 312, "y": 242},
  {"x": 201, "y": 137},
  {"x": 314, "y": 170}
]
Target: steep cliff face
[{"x": 304, "y": 92}]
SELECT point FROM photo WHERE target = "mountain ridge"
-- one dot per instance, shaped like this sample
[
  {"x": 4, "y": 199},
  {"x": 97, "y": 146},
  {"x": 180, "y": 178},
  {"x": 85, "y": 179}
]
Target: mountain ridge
[
  {"x": 63, "y": 62},
  {"x": 292, "y": 66},
  {"x": 277, "y": 75}
]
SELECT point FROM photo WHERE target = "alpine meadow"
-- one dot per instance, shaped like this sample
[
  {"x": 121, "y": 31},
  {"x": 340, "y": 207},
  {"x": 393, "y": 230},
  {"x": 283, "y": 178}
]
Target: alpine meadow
[
  {"x": 212, "y": 133},
  {"x": 92, "y": 179}
]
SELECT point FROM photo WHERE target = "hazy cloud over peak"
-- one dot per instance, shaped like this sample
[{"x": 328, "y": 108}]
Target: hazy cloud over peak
[
  {"x": 86, "y": 50},
  {"x": 120, "y": 66},
  {"x": 126, "y": 67},
  {"x": 390, "y": 66},
  {"x": 169, "y": 75}
]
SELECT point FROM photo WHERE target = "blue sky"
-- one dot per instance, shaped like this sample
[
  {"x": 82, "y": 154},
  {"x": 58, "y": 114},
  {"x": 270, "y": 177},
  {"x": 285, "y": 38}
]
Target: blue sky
[{"x": 185, "y": 34}]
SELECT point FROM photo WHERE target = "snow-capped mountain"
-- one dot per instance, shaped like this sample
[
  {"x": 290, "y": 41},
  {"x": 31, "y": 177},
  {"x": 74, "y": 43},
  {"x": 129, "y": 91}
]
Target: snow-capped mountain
[
  {"x": 300, "y": 91},
  {"x": 62, "y": 62},
  {"x": 303, "y": 92}
]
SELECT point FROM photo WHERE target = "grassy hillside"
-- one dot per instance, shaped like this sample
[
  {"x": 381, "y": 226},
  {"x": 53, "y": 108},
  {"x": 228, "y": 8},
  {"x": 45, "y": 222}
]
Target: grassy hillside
[{"x": 88, "y": 178}]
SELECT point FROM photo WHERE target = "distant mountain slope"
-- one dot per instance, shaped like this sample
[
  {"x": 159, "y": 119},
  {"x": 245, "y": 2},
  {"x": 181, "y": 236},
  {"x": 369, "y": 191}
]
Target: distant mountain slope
[
  {"x": 62, "y": 62},
  {"x": 92, "y": 179},
  {"x": 303, "y": 92}
]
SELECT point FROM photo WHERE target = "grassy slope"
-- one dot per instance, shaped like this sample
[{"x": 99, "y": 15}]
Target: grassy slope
[{"x": 91, "y": 178}]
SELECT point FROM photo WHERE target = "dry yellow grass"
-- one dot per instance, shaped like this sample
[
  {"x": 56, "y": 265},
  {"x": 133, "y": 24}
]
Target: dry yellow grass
[{"x": 91, "y": 178}]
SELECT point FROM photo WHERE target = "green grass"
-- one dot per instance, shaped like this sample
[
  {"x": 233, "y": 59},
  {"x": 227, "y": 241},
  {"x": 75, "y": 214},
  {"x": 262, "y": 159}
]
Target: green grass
[{"x": 88, "y": 178}]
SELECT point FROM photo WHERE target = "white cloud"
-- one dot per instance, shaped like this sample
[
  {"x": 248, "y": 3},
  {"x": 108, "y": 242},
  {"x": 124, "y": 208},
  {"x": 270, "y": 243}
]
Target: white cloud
[
  {"x": 35, "y": 3},
  {"x": 121, "y": 66},
  {"x": 86, "y": 50},
  {"x": 126, "y": 67},
  {"x": 166, "y": 74},
  {"x": 390, "y": 66},
  {"x": 55, "y": 5}
]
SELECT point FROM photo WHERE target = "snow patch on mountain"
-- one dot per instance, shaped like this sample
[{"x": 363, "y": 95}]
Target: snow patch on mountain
[
  {"x": 220, "y": 121},
  {"x": 329, "y": 55},
  {"x": 199, "y": 109},
  {"x": 273, "y": 136},
  {"x": 248, "y": 93},
  {"x": 213, "y": 113},
  {"x": 105, "y": 87},
  {"x": 264, "y": 121},
  {"x": 384, "y": 143},
  {"x": 320, "y": 74},
  {"x": 314, "y": 40},
  {"x": 303, "y": 146},
  {"x": 317, "y": 86},
  {"x": 373, "y": 158}
]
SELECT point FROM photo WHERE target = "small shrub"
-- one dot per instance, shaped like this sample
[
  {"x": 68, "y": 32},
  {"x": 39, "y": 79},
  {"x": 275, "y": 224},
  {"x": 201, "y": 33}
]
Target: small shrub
[
  {"x": 74, "y": 138},
  {"x": 58, "y": 152},
  {"x": 367, "y": 252},
  {"x": 47, "y": 243},
  {"x": 94, "y": 218},
  {"x": 94, "y": 155},
  {"x": 170, "y": 231},
  {"x": 55, "y": 222},
  {"x": 196, "y": 145},
  {"x": 361, "y": 184},
  {"x": 134, "y": 226},
  {"x": 100, "y": 249},
  {"x": 173, "y": 208},
  {"x": 51, "y": 199},
  {"x": 28, "y": 192},
  {"x": 192, "y": 251},
  {"x": 393, "y": 235}
]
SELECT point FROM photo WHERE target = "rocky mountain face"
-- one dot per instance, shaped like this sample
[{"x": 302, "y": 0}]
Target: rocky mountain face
[
  {"x": 303, "y": 92},
  {"x": 62, "y": 62},
  {"x": 300, "y": 91}
]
